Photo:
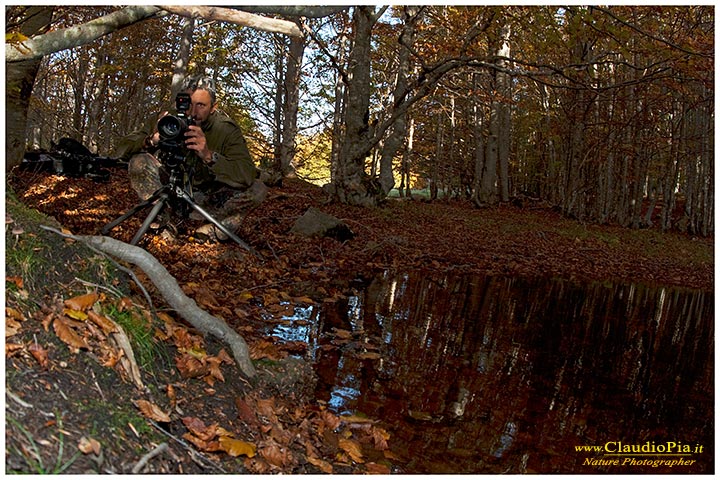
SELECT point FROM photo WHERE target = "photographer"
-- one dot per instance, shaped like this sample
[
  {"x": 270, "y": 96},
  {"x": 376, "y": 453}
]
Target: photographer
[{"x": 223, "y": 175}]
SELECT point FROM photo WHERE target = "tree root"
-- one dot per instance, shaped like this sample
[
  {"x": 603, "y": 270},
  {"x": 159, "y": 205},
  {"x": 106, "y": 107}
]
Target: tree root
[{"x": 173, "y": 295}]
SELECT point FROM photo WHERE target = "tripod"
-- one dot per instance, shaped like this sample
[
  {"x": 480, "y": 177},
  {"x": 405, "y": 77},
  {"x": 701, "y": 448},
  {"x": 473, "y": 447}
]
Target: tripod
[{"x": 170, "y": 194}]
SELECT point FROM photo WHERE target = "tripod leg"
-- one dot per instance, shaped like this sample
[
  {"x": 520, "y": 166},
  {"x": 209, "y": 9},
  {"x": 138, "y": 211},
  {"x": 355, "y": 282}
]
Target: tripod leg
[
  {"x": 219, "y": 225},
  {"x": 140, "y": 206},
  {"x": 151, "y": 216}
]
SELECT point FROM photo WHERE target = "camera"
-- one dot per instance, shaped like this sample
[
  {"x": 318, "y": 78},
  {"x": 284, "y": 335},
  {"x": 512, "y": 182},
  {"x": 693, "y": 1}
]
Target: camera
[{"x": 172, "y": 129}]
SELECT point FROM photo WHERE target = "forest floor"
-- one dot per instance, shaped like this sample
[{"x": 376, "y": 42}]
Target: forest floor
[{"x": 73, "y": 404}]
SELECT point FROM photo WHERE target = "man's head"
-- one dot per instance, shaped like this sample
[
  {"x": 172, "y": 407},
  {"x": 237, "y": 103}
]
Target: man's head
[{"x": 203, "y": 98}]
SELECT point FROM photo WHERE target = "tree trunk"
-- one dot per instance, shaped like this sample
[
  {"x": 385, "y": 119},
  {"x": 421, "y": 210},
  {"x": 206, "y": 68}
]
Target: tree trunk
[
  {"x": 19, "y": 81},
  {"x": 404, "y": 188},
  {"x": 399, "y": 129},
  {"x": 180, "y": 65},
  {"x": 290, "y": 105},
  {"x": 352, "y": 186},
  {"x": 504, "y": 84},
  {"x": 434, "y": 174},
  {"x": 479, "y": 137},
  {"x": 487, "y": 194}
]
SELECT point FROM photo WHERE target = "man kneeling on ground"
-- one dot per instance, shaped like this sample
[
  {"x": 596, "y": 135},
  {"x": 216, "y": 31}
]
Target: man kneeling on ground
[{"x": 225, "y": 180}]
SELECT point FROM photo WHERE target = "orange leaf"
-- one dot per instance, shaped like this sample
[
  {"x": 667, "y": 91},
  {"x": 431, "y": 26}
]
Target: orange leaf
[
  {"x": 68, "y": 335},
  {"x": 14, "y": 314},
  {"x": 18, "y": 281},
  {"x": 331, "y": 420},
  {"x": 40, "y": 354},
  {"x": 266, "y": 407},
  {"x": 198, "y": 428},
  {"x": 152, "y": 411},
  {"x": 125, "y": 303},
  {"x": 223, "y": 355},
  {"x": 214, "y": 369},
  {"x": 13, "y": 348},
  {"x": 12, "y": 327},
  {"x": 189, "y": 366},
  {"x": 208, "y": 446},
  {"x": 107, "y": 325},
  {"x": 237, "y": 447},
  {"x": 81, "y": 302},
  {"x": 276, "y": 455},
  {"x": 352, "y": 448},
  {"x": 89, "y": 445},
  {"x": 380, "y": 438},
  {"x": 172, "y": 396},
  {"x": 324, "y": 466}
]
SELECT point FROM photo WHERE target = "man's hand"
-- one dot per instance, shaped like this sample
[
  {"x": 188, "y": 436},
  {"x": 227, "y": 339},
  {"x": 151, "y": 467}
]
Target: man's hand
[{"x": 195, "y": 140}]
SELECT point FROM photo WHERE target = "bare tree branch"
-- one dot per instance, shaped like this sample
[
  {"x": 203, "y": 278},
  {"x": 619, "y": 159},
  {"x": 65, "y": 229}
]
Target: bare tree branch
[
  {"x": 237, "y": 17},
  {"x": 55, "y": 41},
  {"x": 307, "y": 11}
]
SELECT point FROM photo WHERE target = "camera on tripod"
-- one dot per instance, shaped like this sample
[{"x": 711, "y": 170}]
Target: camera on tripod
[{"x": 172, "y": 129}]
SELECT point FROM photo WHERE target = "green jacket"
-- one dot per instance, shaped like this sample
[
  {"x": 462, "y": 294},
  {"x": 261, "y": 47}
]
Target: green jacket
[{"x": 234, "y": 165}]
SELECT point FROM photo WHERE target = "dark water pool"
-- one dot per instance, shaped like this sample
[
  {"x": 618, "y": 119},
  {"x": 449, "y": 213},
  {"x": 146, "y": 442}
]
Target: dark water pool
[{"x": 473, "y": 374}]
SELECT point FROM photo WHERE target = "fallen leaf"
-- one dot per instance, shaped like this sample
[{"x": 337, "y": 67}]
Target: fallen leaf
[
  {"x": 12, "y": 327},
  {"x": 257, "y": 465},
  {"x": 190, "y": 367},
  {"x": 13, "y": 348},
  {"x": 39, "y": 353},
  {"x": 276, "y": 455},
  {"x": 68, "y": 335},
  {"x": 223, "y": 355},
  {"x": 244, "y": 297},
  {"x": 75, "y": 314},
  {"x": 125, "y": 303},
  {"x": 172, "y": 396},
  {"x": 89, "y": 445},
  {"x": 152, "y": 411},
  {"x": 324, "y": 466},
  {"x": 14, "y": 313},
  {"x": 18, "y": 281},
  {"x": 107, "y": 325},
  {"x": 236, "y": 448},
  {"x": 81, "y": 302},
  {"x": 214, "y": 368},
  {"x": 266, "y": 407},
  {"x": 380, "y": 438},
  {"x": 265, "y": 349},
  {"x": 206, "y": 445},
  {"x": 198, "y": 428},
  {"x": 331, "y": 420},
  {"x": 245, "y": 412},
  {"x": 352, "y": 448}
]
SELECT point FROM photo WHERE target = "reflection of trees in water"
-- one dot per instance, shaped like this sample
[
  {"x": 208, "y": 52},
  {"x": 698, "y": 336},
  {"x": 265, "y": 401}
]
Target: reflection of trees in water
[{"x": 489, "y": 374}]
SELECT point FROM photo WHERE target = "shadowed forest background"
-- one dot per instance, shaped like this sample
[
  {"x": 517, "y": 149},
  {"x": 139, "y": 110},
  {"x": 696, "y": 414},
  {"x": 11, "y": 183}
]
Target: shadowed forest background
[{"x": 525, "y": 264}]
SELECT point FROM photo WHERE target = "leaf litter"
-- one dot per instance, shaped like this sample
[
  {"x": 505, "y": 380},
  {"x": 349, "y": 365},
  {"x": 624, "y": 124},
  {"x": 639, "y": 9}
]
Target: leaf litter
[{"x": 199, "y": 403}]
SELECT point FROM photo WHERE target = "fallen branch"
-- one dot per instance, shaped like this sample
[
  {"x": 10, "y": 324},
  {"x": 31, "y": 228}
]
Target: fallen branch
[
  {"x": 173, "y": 295},
  {"x": 149, "y": 456},
  {"x": 197, "y": 457}
]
